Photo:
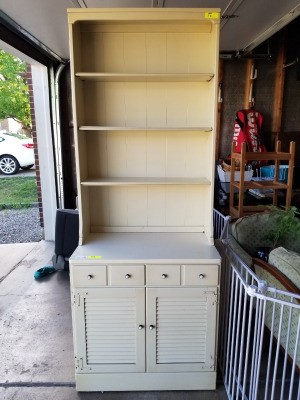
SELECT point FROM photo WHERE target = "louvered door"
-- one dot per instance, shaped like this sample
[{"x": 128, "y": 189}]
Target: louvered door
[
  {"x": 181, "y": 326},
  {"x": 109, "y": 330}
]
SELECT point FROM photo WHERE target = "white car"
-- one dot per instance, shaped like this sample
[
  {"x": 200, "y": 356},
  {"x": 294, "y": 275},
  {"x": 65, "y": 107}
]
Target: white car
[{"x": 15, "y": 153}]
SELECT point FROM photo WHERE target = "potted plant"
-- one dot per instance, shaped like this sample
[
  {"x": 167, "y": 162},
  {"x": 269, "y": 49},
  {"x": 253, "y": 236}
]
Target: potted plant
[{"x": 286, "y": 222}]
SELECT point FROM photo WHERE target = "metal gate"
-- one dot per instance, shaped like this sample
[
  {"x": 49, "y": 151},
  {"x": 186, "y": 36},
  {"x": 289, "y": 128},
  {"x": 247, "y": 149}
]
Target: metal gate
[{"x": 259, "y": 337}]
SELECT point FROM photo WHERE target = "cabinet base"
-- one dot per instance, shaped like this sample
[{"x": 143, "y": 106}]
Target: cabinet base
[{"x": 146, "y": 381}]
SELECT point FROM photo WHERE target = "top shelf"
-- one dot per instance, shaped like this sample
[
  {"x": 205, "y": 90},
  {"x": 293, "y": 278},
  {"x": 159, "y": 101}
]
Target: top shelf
[
  {"x": 121, "y": 77},
  {"x": 197, "y": 18}
]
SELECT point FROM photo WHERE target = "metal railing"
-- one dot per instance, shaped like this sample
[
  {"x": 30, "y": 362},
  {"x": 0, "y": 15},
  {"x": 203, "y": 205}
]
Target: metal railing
[
  {"x": 259, "y": 336},
  {"x": 220, "y": 224}
]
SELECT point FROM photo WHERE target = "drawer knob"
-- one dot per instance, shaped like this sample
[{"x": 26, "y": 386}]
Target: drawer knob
[
  {"x": 90, "y": 276},
  {"x": 141, "y": 327},
  {"x": 201, "y": 276},
  {"x": 127, "y": 276},
  {"x": 151, "y": 327},
  {"x": 164, "y": 276}
]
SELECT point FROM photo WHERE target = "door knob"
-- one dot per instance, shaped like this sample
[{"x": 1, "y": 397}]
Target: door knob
[
  {"x": 89, "y": 276},
  {"x": 127, "y": 276},
  {"x": 164, "y": 276},
  {"x": 201, "y": 276},
  {"x": 151, "y": 327},
  {"x": 141, "y": 327}
]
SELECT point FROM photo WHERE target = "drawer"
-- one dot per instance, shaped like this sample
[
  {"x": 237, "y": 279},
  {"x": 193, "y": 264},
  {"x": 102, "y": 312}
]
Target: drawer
[
  {"x": 200, "y": 275},
  {"x": 126, "y": 275},
  {"x": 88, "y": 275},
  {"x": 163, "y": 275}
]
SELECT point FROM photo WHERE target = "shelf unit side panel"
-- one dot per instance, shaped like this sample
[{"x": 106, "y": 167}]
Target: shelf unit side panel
[
  {"x": 82, "y": 170},
  {"x": 84, "y": 215},
  {"x": 148, "y": 206},
  {"x": 75, "y": 48},
  {"x": 80, "y": 146},
  {"x": 214, "y": 105}
]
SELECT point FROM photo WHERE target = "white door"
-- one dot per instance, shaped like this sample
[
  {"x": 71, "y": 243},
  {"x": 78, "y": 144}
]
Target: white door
[
  {"x": 109, "y": 330},
  {"x": 181, "y": 329}
]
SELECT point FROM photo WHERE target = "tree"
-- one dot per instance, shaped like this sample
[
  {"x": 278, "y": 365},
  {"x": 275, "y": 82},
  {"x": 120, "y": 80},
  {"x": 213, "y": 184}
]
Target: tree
[{"x": 14, "y": 93}]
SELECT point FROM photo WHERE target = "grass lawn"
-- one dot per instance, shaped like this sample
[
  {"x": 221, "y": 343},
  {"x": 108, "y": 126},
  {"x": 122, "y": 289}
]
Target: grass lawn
[{"x": 17, "y": 192}]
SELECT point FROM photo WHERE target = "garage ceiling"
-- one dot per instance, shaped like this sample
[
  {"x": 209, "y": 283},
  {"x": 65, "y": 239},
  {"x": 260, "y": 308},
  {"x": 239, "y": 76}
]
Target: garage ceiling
[{"x": 244, "y": 25}]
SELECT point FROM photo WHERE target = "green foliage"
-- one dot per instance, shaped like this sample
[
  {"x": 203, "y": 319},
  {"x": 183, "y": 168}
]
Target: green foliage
[
  {"x": 286, "y": 222},
  {"x": 17, "y": 192},
  {"x": 14, "y": 93}
]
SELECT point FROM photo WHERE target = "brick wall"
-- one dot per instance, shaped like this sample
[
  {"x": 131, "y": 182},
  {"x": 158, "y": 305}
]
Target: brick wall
[{"x": 34, "y": 137}]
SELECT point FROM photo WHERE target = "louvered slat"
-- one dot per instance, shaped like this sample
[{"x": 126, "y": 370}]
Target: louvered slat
[
  {"x": 110, "y": 330},
  {"x": 181, "y": 330}
]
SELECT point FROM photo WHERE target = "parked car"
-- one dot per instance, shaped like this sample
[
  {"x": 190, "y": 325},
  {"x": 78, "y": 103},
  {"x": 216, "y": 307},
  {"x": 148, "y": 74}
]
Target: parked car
[{"x": 15, "y": 152}]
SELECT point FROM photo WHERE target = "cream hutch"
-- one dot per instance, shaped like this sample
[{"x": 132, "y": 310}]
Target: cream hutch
[{"x": 145, "y": 276}]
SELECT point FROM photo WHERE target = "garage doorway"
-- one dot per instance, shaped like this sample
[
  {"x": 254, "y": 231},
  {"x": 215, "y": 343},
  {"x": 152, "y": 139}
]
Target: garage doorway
[{"x": 43, "y": 142}]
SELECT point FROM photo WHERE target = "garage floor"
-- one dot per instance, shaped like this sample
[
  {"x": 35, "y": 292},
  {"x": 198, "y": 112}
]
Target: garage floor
[{"x": 36, "y": 349}]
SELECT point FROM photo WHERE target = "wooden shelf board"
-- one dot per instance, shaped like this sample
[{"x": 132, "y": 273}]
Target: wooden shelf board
[
  {"x": 144, "y": 181},
  {"x": 258, "y": 156},
  {"x": 234, "y": 212},
  {"x": 136, "y": 128},
  {"x": 261, "y": 185},
  {"x": 146, "y": 77},
  {"x": 147, "y": 19}
]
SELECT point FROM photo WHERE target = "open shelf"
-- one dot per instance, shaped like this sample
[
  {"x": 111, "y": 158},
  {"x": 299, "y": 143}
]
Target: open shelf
[
  {"x": 148, "y": 77},
  {"x": 144, "y": 181},
  {"x": 137, "y": 128}
]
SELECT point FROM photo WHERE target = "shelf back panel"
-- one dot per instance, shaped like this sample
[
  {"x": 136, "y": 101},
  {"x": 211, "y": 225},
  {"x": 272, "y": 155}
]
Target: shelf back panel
[
  {"x": 146, "y": 154},
  {"x": 144, "y": 52},
  {"x": 146, "y": 206},
  {"x": 148, "y": 104}
]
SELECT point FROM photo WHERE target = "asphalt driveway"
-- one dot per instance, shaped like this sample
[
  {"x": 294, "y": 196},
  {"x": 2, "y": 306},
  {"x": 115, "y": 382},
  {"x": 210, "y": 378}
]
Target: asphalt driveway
[{"x": 22, "y": 173}]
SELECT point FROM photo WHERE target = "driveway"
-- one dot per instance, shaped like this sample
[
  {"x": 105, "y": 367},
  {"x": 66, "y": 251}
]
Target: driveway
[{"x": 23, "y": 173}]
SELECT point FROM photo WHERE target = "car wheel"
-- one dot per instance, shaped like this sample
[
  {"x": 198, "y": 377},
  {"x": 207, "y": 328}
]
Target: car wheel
[
  {"x": 28, "y": 166},
  {"x": 9, "y": 165}
]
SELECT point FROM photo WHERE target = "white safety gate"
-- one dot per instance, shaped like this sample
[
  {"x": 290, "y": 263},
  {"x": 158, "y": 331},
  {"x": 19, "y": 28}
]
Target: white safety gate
[{"x": 259, "y": 337}]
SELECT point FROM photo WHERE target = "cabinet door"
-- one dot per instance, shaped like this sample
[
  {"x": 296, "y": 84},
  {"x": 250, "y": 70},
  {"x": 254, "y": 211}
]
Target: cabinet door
[
  {"x": 109, "y": 333},
  {"x": 181, "y": 329}
]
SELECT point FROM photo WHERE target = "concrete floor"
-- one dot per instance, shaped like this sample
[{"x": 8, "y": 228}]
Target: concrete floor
[{"x": 36, "y": 349}]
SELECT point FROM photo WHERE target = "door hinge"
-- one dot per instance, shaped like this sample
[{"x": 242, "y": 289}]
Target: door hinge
[
  {"x": 76, "y": 299},
  {"x": 213, "y": 296},
  {"x": 78, "y": 363},
  {"x": 214, "y": 363},
  {"x": 218, "y": 298}
]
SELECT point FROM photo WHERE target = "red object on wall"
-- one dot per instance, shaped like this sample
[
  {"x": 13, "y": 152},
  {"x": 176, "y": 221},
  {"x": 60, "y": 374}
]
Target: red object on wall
[{"x": 247, "y": 129}]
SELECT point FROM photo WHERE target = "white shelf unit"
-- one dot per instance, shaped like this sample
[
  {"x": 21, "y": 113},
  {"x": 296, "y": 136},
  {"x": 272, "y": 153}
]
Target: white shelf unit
[
  {"x": 144, "y": 101},
  {"x": 144, "y": 114}
]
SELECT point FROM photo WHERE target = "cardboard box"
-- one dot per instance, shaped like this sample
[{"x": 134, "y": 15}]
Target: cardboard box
[{"x": 224, "y": 176}]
